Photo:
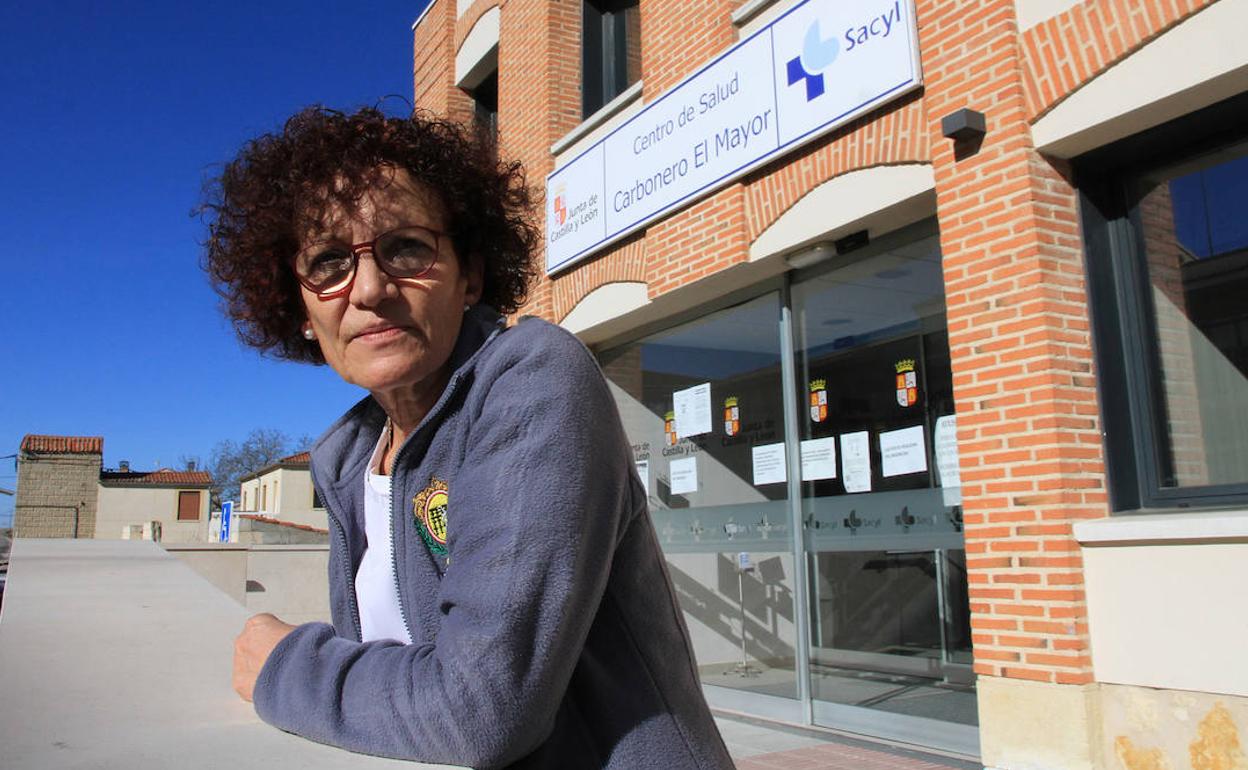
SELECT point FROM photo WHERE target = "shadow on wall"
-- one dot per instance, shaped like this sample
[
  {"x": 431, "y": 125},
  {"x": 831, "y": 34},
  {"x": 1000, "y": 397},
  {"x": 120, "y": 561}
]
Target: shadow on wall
[{"x": 766, "y": 600}]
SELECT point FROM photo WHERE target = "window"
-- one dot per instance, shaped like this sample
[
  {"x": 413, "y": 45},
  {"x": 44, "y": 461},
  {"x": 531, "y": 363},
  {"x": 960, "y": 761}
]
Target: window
[
  {"x": 264, "y": 497},
  {"x": 317, "y": 502},
  {"x": 188, "y": 506},
  {"x": 1167, "y": 234},
  {"x": 485, "y": 108},
  {"x": 610, "y": 51}
]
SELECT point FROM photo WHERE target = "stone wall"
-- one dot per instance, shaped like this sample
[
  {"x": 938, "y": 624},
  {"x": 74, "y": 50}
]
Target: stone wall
[{"x": 52, "y": 491}]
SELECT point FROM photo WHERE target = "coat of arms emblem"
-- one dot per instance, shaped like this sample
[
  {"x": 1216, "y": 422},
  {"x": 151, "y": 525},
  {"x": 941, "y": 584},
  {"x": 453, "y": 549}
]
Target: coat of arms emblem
[
  {"x": 907, "y": 382},
  {"x": 429, "y": 509},
  {"x": 732, "y": 416},
  {"x": 669, "y": 428},
  {"x": 818, "y": 400}
]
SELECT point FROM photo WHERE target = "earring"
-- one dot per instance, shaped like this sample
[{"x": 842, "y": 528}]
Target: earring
[
  {"x": 308, "y": 334},
  {"x": 467, "y": 308}
]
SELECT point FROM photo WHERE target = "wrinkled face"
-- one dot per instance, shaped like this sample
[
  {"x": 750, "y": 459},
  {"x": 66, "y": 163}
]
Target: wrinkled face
[{"x": 388, "y": 334}]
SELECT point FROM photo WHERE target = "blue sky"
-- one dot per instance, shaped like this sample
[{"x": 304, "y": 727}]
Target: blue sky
[{"x": 114, "y": 114}]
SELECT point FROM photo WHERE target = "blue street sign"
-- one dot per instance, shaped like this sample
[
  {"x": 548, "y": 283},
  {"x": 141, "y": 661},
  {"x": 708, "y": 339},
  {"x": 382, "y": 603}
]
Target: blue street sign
[{"x": 227, "y": 509}]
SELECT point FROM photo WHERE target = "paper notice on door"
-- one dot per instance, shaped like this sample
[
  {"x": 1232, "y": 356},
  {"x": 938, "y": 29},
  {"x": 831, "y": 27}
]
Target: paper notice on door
[
  {"x": 819, "y": 459},
  {"x": 693, "y": 410},
  {"x": 769, "y": 464},
  {"x": 684, "y": 476},
  {"x": 902, "y": 451},
  {"x": 947, "y": 469},
  {"x": 643, "y": 472},
  {"x": 856, "y": 461}
]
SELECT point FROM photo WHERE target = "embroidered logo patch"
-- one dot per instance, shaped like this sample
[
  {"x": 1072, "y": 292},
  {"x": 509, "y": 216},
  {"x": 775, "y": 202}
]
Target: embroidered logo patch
[{"x": 429, "y": 508}]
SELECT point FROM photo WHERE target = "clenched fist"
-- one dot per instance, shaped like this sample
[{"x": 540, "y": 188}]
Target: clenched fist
[{"x": 260, "y": 635}]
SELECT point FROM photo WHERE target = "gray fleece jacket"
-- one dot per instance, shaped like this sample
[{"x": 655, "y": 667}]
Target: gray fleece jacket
[{"x": 544, "y": 626}]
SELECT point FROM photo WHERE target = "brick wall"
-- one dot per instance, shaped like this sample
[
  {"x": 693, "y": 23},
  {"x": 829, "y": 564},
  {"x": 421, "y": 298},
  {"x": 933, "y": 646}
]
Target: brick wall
[
  {"x": 433, "y": 64},
  {"x": 677, "y": 38},
  {"x": 696, "y": 242},
  {"x": 1029, "y": 428},
  {"x": 541, "y": 39},
  {"x": 623, "y": 262},
  {"x": 51, "y": 489},
  {"x": 894, "y": 134}
]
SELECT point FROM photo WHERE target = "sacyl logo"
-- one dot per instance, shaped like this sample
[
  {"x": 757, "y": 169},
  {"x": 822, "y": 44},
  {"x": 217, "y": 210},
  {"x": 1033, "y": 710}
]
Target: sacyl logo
[{"x": 817, "y": 55}]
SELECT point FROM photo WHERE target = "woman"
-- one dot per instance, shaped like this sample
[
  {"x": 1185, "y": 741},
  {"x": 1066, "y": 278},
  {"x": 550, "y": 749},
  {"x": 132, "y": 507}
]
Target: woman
[{"x": 497, "y": 591}]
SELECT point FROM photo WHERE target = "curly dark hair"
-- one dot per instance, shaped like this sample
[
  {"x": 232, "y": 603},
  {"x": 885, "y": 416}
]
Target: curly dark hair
[{"x": 279, "y": 183}]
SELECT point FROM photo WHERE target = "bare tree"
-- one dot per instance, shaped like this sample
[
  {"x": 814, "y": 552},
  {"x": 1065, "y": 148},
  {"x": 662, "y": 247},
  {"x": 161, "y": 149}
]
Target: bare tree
[{"x": 232, "y": 460}]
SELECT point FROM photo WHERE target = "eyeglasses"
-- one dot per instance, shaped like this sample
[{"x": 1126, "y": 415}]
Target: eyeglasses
[{"x": 328, "y": 268}]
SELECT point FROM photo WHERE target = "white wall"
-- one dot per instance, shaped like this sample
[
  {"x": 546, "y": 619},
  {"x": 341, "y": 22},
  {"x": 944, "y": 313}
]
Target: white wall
[
  {"x": 290, "y": 581},
  {"x": 124, "y": 506},
  {"x": 1167, "y": 600},
  {"x": 287, "y": 496}
]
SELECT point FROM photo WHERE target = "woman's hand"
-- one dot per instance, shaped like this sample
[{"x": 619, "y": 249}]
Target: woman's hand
[{"x": 260, "y": 635}]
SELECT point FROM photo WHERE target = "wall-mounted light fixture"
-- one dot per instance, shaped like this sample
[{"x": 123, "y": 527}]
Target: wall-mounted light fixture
[
  {"x": 823, "y": 251},
  {"x": 812, "y": 256},
  {"x": 965, "y": 125}
]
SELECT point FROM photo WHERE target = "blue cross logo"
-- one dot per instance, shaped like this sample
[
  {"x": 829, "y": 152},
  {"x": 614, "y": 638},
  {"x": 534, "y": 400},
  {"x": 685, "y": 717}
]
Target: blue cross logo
[{"x": 817, "y": 55}]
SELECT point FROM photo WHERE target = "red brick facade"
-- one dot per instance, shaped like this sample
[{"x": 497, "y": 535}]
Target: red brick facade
[{"x": 1017, "y": 304}]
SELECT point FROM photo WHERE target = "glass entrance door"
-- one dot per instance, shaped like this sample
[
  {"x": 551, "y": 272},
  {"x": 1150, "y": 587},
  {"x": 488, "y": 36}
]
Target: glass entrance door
[
  {"x": 815, "y": 538},
  {"x": 890, "y": 634},
  {"x": 703, "y": 407}
]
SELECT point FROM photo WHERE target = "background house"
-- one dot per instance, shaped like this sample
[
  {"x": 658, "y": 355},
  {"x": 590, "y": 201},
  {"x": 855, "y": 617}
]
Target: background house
[
  {"x": 63, "y": 491},
  {"x": 283, "y": 491},
  {"x": 166, "y": 505}
]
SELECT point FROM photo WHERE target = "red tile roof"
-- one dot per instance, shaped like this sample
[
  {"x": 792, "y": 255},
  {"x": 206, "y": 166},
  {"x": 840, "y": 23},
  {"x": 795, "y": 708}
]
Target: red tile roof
[
  {"x": 296, "y": 461},
  {"x": 79, "y": 445},
  {"x": 162, "y": 477},
  {"x": 280, "y": 523}
]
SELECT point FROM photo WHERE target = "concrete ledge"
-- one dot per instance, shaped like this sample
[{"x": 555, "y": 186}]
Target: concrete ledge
[
  {"x": 1208, "y": 527},
  {"x": 598, "y": 125},
  {"x": 114, "y": 654}
]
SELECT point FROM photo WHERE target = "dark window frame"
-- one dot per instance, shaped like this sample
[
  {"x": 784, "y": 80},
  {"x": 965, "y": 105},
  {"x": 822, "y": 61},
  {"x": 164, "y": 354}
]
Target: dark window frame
[
  {"x": 604, "y": 52},
  {"x": 485, "y": 108},
  {"x": 1124, "y": 328}
]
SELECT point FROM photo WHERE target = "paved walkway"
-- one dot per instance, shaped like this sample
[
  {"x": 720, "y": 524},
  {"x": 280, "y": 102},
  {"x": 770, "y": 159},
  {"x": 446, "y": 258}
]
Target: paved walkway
[{"x": 759, "y": 746}]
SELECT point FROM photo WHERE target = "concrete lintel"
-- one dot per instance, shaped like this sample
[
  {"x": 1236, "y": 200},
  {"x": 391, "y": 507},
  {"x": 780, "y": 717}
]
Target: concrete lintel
[
  {"x": 1148, "y": 87},
  {"x": 478, "y": 56},
  {"x": 876, "y": 199},
  {"x": 605, "y": 303}
]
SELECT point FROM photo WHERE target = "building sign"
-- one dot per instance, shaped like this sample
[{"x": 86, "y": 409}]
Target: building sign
[{"x": 815, "y": 68}]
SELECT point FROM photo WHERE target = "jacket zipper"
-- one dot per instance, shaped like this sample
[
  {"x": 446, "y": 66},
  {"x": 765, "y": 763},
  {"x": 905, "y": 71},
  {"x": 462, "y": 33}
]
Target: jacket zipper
[
  {"x": 346, "y": 559},
  {"x": 394, "y": 542},
  {"x": 451, "y": 387},
  {"x": 394, "y": 549}
]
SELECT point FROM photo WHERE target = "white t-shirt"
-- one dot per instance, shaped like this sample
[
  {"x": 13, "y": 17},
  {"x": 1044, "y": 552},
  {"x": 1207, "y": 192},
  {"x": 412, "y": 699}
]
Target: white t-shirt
[{"x": 376, "y": 592}]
